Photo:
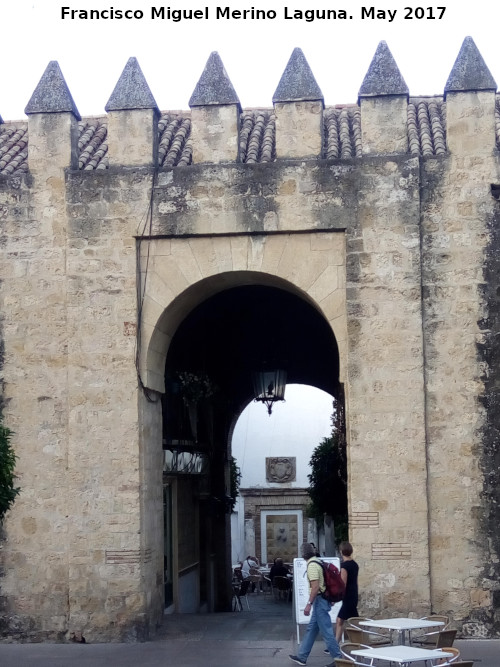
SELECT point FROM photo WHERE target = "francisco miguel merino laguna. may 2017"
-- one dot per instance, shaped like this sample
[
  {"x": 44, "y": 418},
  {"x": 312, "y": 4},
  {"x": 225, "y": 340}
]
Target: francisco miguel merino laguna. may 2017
[{"x": 252, "y": 14}]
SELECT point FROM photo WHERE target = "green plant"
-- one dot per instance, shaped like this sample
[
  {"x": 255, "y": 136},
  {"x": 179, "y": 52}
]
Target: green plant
[
  {"x": 8, "y": 491},
  {"x": 194, "y": 387},
  {"x": 328, "y": 477},
  {"x": 235, "y": 478},
  {"x": 328, "y": 484}
]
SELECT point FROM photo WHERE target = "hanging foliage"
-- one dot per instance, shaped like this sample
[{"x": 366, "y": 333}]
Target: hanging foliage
[
  {"x": 8, "y": 491},
  {"x": 235, "y": 478},
  {"x": 194, "y": 387}
]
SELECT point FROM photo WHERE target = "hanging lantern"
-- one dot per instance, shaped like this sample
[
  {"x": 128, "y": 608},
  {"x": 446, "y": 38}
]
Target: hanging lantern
[{"x": 269, "y": 387}]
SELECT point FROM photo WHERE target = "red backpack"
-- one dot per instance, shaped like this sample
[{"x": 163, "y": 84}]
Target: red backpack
[{"x": 334, "y": 584}]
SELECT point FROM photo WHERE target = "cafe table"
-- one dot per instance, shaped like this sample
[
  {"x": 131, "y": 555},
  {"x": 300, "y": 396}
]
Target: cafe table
[
  {"x": 402, "y": 655},
  {"x": 401, "y": 625}
]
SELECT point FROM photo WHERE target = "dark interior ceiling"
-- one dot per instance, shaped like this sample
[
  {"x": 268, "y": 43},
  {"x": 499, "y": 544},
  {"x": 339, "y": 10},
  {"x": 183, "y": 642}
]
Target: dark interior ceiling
[{"x": 236, "y": 331}]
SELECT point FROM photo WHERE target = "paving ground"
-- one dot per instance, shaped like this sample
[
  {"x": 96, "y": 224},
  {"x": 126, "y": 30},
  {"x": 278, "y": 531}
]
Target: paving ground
[{"x": 260, "y": 637}]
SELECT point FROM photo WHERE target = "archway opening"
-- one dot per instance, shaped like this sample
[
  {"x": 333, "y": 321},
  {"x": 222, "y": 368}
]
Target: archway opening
[{"x": 208, "y": 381}]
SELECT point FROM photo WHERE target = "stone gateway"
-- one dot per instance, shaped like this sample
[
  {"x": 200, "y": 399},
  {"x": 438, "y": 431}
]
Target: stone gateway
[{"x": 150, "y": 262}]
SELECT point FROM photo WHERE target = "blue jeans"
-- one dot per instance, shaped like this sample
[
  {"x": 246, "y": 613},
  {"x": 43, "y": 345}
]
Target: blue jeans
[{"x": 320, "y": 622}]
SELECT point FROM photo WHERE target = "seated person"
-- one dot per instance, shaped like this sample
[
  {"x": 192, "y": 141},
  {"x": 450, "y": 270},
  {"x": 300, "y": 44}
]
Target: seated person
[
  {"x": 250, "y": 565},
  {"x": 278, "y": 569}
]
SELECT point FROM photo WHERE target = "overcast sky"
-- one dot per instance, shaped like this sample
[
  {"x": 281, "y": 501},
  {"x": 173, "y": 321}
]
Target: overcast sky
[
  {"x": 294, "y": 429},
  {"x": 93, "y": 53}
]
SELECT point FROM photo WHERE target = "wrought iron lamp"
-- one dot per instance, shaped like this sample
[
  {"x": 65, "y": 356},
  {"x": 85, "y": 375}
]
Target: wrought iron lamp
[{"x": 269, "y": 386}]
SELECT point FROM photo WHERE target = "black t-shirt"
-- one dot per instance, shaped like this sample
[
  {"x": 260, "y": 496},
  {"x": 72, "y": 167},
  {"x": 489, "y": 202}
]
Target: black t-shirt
[{"x": 351, "y": 591}]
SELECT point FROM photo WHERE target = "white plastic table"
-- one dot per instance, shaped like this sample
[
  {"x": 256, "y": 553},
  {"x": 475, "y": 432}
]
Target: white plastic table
[
  {"x": 401, "y": 625},
  {"x": 402, "y": 655}
]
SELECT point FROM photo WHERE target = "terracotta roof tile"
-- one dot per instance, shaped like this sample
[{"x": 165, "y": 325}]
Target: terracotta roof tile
[
  {"x": 13, "y": 148},
  {"x": 342, "y": 127},
  {"x": 257, "y": 136},
  {"x": 427, "y": 126},
  {"x": 175, "y": 147},
  {"x": 92, "y": 146}
]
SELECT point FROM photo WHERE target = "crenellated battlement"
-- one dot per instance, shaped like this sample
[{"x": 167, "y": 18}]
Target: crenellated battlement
[
  {"x": 426, "y": 128},
  {"x": 183, "y": 137},
  {"x": 256, "y": 140}
]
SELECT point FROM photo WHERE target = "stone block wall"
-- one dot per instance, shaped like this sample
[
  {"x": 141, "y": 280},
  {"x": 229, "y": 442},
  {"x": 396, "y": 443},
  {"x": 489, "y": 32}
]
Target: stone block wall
[
  {"x": 386, "y": 432},
  {"x": 456, "y": 223},
  {"x": 398, "y": 252},
  {"x": 85, "y": 539},
  {"x": 34, "y": 281}
]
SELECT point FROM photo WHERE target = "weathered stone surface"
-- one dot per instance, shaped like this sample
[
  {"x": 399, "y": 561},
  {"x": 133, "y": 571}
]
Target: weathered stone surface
[
  {"x": 51, "y": 94},
  {"x": 383, "y": 279},
  {"x": 470, "y": 121},
  {"x": 53, "y": 145},
  {"x": 383, "y": 98},
  {"x": 297, "y": 82},
  {"x": 132, "y": 138},
  {"x": 487, "y": 477},
  {"x": 240, "y": 197},
  {"x": 469, "y": 71},
  {"x": 132, "y": 90},
  {"x": 214, "y": 133},
  {"x": 299, "y": 129},
  {"x": 214, "y": 85},
  {"x": 383, "y": 76},
  {"x": 384, "y": 124}
]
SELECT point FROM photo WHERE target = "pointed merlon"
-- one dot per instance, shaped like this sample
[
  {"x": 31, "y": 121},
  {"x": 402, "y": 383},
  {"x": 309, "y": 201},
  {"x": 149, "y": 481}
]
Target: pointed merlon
[
  {"x": 52, "y": 94},
  {"x": 469, "y": 71},
  {"x": 383, "y": 76},
  {"x": 131, "y": 90},
  {"x": 297, "y": 82},
  {"x": 214, "y": 86}
]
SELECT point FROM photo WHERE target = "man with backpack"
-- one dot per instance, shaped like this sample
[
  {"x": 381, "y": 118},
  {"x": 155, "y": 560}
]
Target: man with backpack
[{"x": 318, "y": 607}]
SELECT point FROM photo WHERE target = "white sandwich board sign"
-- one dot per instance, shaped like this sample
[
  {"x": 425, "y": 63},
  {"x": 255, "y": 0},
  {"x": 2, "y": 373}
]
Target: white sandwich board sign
[{"x": 301, "y": 592}]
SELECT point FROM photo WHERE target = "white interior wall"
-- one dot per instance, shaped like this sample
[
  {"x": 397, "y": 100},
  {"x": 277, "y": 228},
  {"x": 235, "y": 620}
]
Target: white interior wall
[{"x": 294, "y": 429}]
